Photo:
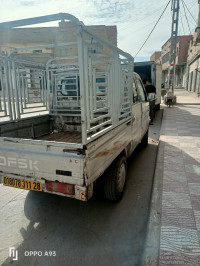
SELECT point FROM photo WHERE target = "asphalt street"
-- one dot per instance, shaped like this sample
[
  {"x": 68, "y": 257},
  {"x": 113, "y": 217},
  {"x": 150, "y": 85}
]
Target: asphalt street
[{"x": 47, "y": 229}]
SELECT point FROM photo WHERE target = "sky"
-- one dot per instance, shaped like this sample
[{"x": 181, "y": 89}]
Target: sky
[{"x": 134, "y": 18}]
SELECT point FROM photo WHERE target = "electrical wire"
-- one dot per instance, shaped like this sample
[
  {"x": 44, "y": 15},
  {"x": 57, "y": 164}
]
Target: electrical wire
[
  {"x": 141, "y": 19},
  {"x": 182, "y": 23},
  {"x": 152, "y": 29},
  {"x": 189, "y": 11},
  {"x": 139, "y": 29},
  {"x": 145, "y": 26},
  {"x": 186, "y": 18}
]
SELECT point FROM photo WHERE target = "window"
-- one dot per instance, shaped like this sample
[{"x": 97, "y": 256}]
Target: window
[
  {"x": 140, "y": 91},
  {"x": 37, "y": 51},
  {"x": 135, "y": 94},
  {"x": 100, "y": 88},
  {"x": 191, "y": 79},
  {"x": 165, "y": 58},
  {"x": 70, "y": 86}
]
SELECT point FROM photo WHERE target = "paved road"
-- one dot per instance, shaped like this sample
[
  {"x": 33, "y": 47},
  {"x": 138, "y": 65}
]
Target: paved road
[{"x": 93, "y": 233}]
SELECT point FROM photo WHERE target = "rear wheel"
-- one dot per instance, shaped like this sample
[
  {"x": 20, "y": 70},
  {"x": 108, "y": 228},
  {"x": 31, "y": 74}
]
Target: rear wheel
[{"x": 115, "y": 178}]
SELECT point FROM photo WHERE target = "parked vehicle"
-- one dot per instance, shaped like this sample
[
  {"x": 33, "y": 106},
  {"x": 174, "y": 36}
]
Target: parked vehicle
[
  {"x": 91, "y": 113},
  {"x": 153, "y": 71}
]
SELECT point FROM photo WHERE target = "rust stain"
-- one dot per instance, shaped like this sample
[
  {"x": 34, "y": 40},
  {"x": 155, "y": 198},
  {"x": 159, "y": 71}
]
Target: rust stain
[{"x": 116, "y": 146}]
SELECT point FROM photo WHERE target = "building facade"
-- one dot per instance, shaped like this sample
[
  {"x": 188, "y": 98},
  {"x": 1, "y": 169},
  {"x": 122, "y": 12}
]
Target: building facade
[
  {"x": 156, "y": 57},
  {"x": 182, "y": 47},
  {"x": 193, "y": 61}
]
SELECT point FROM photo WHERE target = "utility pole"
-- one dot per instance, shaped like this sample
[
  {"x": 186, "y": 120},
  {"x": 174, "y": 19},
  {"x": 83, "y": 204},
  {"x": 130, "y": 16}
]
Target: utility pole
[{"x": 170, "y": 98}]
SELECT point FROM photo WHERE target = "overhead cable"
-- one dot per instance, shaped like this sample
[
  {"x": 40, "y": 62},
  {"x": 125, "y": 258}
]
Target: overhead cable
[
  {"x": 182, "y": 24},
  {"x": 152, "y": 29},
  {"x": 141, "y": 19},
  {"x": 186, "y": 18},
  {"x": 189, "y": 11}
]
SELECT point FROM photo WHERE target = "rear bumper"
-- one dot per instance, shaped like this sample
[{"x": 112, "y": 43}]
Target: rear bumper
[{"x": 82, "y": 193}]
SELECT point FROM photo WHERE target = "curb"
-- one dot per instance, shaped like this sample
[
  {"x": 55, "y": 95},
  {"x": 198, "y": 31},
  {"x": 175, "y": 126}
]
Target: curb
[{"x": 152, "y": 244}]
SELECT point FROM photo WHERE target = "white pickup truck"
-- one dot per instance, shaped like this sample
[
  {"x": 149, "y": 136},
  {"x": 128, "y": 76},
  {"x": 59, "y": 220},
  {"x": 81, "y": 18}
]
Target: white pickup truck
[{"x": 68, "y": 120}]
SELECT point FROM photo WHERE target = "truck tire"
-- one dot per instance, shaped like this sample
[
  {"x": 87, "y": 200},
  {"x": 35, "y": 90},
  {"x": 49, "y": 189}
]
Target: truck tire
[
  {"x": 115, "y": 178},
  {"x": 144, "y": 141}
]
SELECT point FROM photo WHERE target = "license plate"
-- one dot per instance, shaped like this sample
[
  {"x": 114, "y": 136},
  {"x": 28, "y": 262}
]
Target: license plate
[{"x": 21, "y": 183}]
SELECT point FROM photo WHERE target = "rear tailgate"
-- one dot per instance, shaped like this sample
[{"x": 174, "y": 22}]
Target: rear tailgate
[{"x": 42, "y": 160}]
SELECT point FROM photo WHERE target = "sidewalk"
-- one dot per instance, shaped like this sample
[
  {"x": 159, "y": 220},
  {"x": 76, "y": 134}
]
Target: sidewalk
[{"x": 174, "y": 225}]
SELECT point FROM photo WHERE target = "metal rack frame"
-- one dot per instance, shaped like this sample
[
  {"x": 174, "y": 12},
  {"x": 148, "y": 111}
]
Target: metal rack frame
[{"x": 104, "y": 78}]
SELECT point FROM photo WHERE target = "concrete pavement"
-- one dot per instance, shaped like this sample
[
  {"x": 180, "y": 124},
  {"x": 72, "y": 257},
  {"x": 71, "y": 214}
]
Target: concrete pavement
[{"x": 174, "y": 223}]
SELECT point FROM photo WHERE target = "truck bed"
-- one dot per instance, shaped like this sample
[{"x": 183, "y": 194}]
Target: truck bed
[{"x": 71, "y": 137}]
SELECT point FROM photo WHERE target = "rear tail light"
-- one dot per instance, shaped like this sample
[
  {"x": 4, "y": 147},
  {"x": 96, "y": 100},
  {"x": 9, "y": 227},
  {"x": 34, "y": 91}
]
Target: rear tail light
[{"x": 60, "y": 187}]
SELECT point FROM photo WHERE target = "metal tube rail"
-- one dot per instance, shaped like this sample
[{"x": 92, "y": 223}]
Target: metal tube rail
[
  {"x": 62, "y": 17},
  {"x": 38, "y": 20},
  {"x": 98, "y": 96}
]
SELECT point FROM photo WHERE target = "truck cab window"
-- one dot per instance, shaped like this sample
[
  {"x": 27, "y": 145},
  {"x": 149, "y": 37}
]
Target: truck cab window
[
  {"x": 135, "y": 94},
  {"x": 70, "y": 86},
  {"x": 140, "y": 91}
]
